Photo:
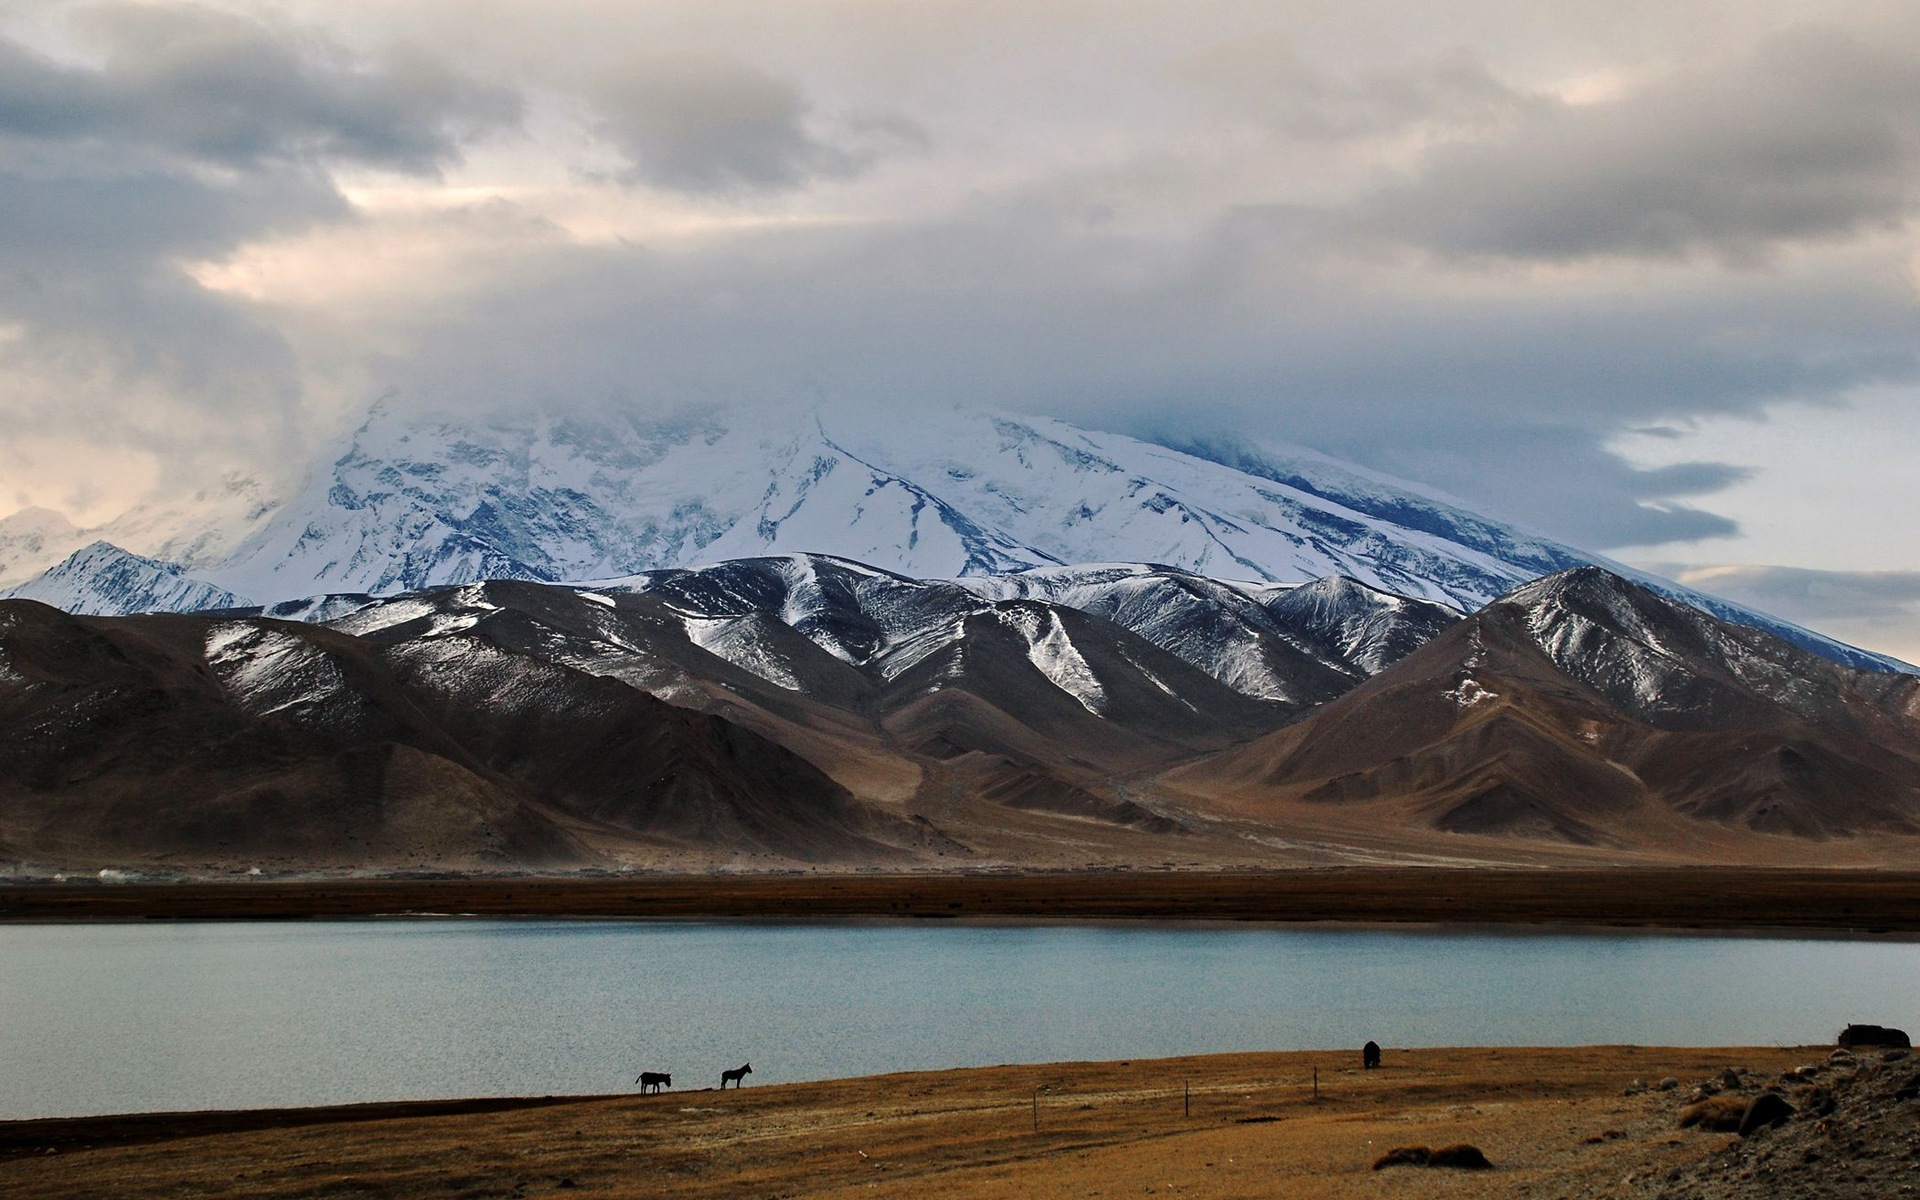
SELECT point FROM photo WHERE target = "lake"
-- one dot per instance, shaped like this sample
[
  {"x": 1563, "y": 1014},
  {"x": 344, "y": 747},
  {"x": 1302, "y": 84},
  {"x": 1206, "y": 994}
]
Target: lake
[{"x": 120, "y": 1018}]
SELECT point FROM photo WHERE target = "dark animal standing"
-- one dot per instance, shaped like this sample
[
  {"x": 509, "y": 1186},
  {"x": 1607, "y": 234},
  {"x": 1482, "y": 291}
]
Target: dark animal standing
[
  {"x": 734, "y": 1076},
  {"x": 653, "y": 1079},
  {"x": 1370, "y": 1055}
]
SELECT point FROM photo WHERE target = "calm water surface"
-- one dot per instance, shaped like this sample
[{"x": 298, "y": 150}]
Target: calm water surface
[{"x": 111, "y": 1018}]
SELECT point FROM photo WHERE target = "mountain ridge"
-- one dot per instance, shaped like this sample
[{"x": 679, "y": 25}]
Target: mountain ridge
[
  {"x": 1585, "y": 708},
  {"x": 409, "y": 503},
  {"x": 796, "y": 710}
]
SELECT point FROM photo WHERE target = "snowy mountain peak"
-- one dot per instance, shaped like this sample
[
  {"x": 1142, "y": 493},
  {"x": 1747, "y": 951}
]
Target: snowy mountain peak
[
  {"x": 416, "y": 503},
  {"x": 101, "y": 579},
  {"x": 405, "y": 503}
]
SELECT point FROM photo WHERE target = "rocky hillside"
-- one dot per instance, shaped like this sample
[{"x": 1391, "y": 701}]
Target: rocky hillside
[
  {"x": 1586, "y": 709},
  {"x": 803, "y": 709},
  {"x": 192, "y": 741}
]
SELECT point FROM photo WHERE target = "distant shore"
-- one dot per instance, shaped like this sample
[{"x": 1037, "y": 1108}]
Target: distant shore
[
  {"x": 1870, "y": 903},
  {"x": 1553, "y": 1122}
]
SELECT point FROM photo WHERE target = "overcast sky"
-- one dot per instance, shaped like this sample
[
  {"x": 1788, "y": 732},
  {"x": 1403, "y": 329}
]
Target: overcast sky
[{"x": 1641, "y": 274}]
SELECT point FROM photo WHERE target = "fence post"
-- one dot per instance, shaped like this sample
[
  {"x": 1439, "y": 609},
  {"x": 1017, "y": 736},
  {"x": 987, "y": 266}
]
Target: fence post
[{"x": 1189, "y": 1084}]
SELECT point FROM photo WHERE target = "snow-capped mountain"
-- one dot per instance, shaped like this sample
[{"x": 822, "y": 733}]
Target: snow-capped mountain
[
  {"x": 409, "y": 503},
  {"x": 104, "y": 578},
  {"x": 1587, "y": 709},
  {"x": 1677, "y": 668},
  {"x": 1246, "y": 637},
  {"x": 846, "y": 714},
  {"x": 1253, "y": 638}
]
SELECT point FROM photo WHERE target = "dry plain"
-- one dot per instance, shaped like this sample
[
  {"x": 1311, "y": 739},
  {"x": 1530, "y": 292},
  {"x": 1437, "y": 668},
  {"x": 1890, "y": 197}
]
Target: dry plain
[{"x": 1554, "y": 1122}]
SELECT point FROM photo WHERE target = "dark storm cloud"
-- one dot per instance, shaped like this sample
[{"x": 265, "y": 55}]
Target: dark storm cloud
[
  {"x": 213, "y": 87},
  {"x": 700, "y": 123},
  {"x": 1814, "y": 136}
]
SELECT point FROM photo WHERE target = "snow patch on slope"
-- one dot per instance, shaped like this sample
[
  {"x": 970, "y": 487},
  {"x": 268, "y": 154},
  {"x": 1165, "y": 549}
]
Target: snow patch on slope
[
  {"x": 1050, "y": 648},
  {"x": 741, "y": 641}
]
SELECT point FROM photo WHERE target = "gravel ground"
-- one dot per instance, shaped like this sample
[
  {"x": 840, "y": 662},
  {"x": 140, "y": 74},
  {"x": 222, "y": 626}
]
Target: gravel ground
[{"x": 1854, "y": 1132}]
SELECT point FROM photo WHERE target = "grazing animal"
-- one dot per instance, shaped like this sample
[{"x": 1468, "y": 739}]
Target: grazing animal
[
  {"x": 1370, "y": 1055},
  {"x": 735, "y": 1076},
  {"x": 653, "y": 1079}
]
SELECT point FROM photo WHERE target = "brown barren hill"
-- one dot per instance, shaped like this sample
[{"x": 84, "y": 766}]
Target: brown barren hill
[
  {"x": 190, "y": 740},
  {"x": 1587, "y": 711}
]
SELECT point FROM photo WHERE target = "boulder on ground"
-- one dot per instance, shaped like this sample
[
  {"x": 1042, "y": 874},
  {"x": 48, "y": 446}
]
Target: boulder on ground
[
  {"x": 1820, "y": 1102},
  {"x": 1767, "y": 1110},
  {"x": 1855, "y": 1036},
  {"x": 1462, "y": 1157}
]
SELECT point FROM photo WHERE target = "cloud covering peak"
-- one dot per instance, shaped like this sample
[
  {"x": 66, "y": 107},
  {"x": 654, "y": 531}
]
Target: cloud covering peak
[{"x": 1472, "y": 243}]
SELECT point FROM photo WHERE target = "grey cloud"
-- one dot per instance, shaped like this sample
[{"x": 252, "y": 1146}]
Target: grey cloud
[
  {"x": 1877, "y": 609},
  {"x": 190, "y": 133},
  {"x": 1112, "y": 293},
  {"x": 138, "y": 221},
  {"x": 127, "y": 346},
  {"x": 1807, "y": 595},
  {"x": 1265, "y": 80},
  {"x": 1508, "y": 402},
  {"x": 214, "y": 87},
  {"x": 705, "y": 124},
  {"x": 1814, "y": 136},
  {"x": 1561, "y": 480}
]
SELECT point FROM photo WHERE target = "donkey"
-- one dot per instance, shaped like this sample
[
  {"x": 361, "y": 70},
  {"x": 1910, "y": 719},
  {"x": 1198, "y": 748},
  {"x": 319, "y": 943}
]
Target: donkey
[
  {"x": 735, "y": 1076},
  {"x": 653, "y": 1079}
]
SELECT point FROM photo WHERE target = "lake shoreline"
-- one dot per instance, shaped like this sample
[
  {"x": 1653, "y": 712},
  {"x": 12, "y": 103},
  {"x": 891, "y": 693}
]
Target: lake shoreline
[
  {"x": 1562, "y": 1119},
  {"x": 1765, "y": 901}
]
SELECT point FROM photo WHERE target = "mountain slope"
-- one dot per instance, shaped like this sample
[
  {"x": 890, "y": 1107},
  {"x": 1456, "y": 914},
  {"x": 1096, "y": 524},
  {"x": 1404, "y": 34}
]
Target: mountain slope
[
  {"x": 101, "y": 579},
  {"x": 409, "y": 503},
  {"x": 823, "y": 711},
  {"x": 190, "y": 740},
  {"x": 1584, "y": 708},
  {"x": 884, "y": 682}
]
